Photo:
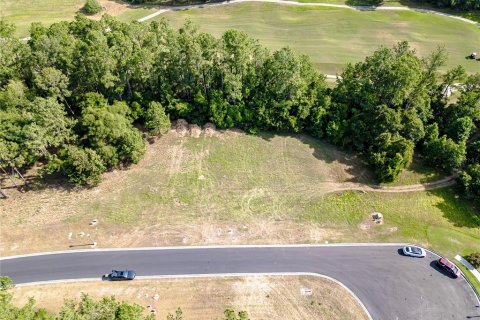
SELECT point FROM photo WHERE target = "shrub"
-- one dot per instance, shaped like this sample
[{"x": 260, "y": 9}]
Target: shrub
[
  {"x": 82, "y": 166},
  {"x": 474, "y": 259},
  {"x": 156, "y": 121},
  {"x": 92, "y": 7}
]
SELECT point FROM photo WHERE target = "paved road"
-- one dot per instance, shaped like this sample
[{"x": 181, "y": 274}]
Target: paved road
[{"x": 390, "y": 285}]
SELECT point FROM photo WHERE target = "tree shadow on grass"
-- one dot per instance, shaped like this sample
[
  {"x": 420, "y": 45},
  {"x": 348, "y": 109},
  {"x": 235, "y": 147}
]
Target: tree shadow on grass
[
  {"x": 369, "y": 3},
  {"x": 457, "y": 209},
  {"x": 322, "y": 150}
]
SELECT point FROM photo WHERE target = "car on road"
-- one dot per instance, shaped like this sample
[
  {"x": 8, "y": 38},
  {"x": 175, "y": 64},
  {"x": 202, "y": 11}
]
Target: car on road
[
  {"x": 448, "y": 267},
  {"x": 414, "y": 251},
  {"x": 122, "y": 275}
]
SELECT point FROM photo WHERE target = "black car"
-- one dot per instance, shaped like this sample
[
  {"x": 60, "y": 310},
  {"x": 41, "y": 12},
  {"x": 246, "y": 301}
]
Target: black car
[{"x": 116, "y": 275}]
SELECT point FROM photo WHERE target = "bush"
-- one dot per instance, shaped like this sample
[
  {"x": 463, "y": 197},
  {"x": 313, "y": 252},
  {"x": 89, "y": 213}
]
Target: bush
[
  {"x": 474, "y": 259},
  {"x": 156, "y": 121},
  {"x": 470, "y": 181},
  {"x": 444, "y": 153},
  {"x": 82, "y": 166},
  {"x": 92, "y": 7}
]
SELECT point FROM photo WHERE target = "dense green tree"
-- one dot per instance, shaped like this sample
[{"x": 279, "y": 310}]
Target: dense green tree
[
  {"x": 468, "y": 5},
  {"x": 30, "y": 129},
  {"x": 109, "y": 131},
  {"x": 156, "y": 120},
  {"x": 14, "y": 54},
  {"x": 392, "y": 155},
  {"x": 474, "y": 259},
  {"x": 83, "y": 167},
  {"x": 470, "y": 180},
  {"x": 444, "y": 153},
  {"x": 459, "y": 129},
  {"x": 289, "y": 90},
  {"x": 92, "y": 7},
  {"x": 473, "y": 152}
]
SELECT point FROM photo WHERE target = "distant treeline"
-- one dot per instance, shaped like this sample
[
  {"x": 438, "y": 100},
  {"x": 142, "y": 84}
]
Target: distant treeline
[
  {"x": 466, "y": 5},
  {"x": 79, "y": 94}
]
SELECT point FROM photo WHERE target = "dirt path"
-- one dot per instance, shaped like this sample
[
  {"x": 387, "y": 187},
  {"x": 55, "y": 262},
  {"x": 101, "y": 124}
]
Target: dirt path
[
  {"x": 350, "y": 186},
  {"x": 308, "y": 4}
]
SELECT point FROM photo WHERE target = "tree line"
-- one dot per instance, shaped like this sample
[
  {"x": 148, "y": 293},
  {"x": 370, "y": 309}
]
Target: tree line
[
  {"x": 80, "y": 96},
  {"x": 467, "y": 5}
]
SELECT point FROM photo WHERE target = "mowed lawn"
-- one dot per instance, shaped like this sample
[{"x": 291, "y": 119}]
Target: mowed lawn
[
  {"x": 236, "y": 188},
  {"x": 333, "y": 37},
  {"x": 23, "y": 12}
]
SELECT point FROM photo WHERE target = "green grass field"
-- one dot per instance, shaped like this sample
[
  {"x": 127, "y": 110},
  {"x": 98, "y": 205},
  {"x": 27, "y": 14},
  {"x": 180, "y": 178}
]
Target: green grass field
[
  {"x": 334, "y": 37},
  {"x": 23, "y": 12}
]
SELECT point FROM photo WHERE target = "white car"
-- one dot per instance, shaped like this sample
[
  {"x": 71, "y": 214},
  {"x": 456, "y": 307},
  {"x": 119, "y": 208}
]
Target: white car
[{"x": 413, "y": 251}]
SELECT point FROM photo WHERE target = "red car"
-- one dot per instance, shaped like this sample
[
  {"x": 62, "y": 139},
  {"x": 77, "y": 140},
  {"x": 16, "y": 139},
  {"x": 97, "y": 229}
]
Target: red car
[{"x": 448, "y": 267}]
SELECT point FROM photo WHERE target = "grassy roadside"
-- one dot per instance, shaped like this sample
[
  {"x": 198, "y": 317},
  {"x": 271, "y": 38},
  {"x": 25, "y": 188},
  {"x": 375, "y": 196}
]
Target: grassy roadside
[
  {"x": 473, "y": 281},
  {"x": 206, "y": 298}
]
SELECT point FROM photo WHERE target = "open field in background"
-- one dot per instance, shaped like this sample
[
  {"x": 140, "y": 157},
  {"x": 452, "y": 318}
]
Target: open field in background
[
  {"x": 262, "y": 297},
  {"x": 233, "y": 188},
  {"x": 331, "y": 37},
  {"x": 334, "y": 37},
  {"x": 24, "y": 12}
]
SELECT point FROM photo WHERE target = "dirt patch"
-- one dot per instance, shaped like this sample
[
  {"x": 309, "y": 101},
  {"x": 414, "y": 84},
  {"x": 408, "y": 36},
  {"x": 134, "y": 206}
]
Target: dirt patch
[
  {"x": 206, "y": 298},
  {"x": 181, "y": 127},
  {"x": 112, "y": 8},
  {"x": 371, "y": 221},
  {"x": 209, "y": 129},
  {"x": 194, "y": 130}
]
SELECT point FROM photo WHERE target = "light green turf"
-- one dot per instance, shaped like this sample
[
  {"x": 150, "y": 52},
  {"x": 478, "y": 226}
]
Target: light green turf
[
  {"x": 334, "y": 37},
  {"x": 135, "y": 13},
  {"x": 417, "y": 173},
  {"x": 23, "y": 12}
]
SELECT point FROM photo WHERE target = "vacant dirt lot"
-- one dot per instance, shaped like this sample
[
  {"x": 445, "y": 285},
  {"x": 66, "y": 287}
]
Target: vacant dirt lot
[{"x": 207, "y": 298}]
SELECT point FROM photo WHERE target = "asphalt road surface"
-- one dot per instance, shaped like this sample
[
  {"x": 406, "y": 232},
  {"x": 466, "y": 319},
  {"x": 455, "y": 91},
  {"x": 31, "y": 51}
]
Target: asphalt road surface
[{"x": 390, "y": 285}]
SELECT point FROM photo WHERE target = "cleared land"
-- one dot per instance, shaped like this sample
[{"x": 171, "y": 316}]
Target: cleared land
[
  {"x": 207, "y": 298},
  {"x": 24, "y": 12},
  {"x": 333, "y": 37},
  {"x": 233, "y": 188}
]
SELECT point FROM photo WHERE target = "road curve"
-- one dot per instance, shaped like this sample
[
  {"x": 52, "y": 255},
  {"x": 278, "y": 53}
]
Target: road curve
[{"x": 390, "y": 285}]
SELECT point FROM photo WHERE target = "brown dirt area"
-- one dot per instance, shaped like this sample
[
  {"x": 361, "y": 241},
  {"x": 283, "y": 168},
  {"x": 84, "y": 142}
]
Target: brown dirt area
[
  {"x": 112, "y": 8},
  {"x": 263, "y": 297}
]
